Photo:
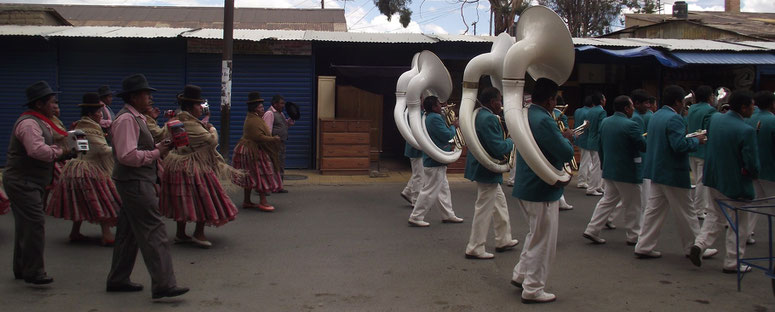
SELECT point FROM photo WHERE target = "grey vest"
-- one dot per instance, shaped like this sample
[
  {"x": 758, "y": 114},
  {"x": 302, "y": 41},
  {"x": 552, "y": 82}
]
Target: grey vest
[
  {"x": 20, "y": 166},
  {"x": 280, "y": 126},
  {"x": 144, "y": 143}
]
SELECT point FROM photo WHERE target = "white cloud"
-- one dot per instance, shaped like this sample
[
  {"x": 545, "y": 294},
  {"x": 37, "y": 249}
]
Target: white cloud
[
  {"x": 380, "y": 23},
  {"x": 237, "y": 3},
  {"x": 759, "y": 6},
  {"x": 434, "y": 29}
]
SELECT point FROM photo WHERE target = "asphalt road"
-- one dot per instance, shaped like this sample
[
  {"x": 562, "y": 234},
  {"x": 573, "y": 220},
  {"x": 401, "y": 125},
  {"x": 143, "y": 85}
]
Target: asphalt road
[{"x": 348, "y": 248}]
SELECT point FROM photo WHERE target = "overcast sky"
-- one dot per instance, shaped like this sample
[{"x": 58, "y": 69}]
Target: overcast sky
[{"x": 430, "y": 16}]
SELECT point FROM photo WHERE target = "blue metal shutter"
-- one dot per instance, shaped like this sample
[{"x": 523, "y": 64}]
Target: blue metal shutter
[
  {"x": 290, "y": 76},
  {"x": 22, "y": 64},
  {"x": 85, "y": 65}
]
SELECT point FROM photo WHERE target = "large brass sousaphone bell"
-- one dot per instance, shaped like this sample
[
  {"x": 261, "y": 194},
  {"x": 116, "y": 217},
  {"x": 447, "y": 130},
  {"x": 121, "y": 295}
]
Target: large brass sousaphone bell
[
  {"x": 432, "y": 78},
  {"x": 485, "y": 64},
  {"x": 544, "y": 49},
  {"x": 400, "y": 112}
]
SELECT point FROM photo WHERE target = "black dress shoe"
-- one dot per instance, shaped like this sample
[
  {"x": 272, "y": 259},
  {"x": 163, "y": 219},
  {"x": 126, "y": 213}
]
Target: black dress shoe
[
  {"x": 39, "y": 280},
  {"x": 128, "y": 287},
  {"x": 283, "y": 191},
  {"x": 172, "y": 292}
]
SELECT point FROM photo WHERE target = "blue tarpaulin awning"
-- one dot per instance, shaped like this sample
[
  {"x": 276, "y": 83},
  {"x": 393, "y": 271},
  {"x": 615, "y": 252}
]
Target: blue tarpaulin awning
[
  {"x": 590, "y": 53},
  {"x": 725, "y": 58}
]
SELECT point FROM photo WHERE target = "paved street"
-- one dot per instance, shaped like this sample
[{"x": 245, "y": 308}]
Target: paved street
[{"x": 348, "y": 248}]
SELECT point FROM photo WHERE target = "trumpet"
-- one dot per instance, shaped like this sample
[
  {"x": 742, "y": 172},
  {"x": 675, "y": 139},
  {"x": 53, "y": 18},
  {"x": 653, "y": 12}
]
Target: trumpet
[
  {"x": 690, "y": 135},
  {"x": 449, "y": 118}
]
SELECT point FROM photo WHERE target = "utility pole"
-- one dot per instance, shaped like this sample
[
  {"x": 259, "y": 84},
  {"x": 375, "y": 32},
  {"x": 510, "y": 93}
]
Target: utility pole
[
  {"x": 226, "y": 70},
  {"x": 474, "y": 24},
  {"x": 322, "y": 4}
]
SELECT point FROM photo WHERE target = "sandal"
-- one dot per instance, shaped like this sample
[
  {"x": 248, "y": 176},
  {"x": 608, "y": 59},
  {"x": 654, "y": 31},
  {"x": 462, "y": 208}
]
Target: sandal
[{"x": 266, "y": 208}]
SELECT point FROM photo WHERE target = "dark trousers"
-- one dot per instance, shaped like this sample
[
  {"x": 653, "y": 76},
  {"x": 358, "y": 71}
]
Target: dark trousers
[
  {"x": 140, "y": 226},
  {"x": 282, "y": 159},
  {"x": 28, "y": 212}
]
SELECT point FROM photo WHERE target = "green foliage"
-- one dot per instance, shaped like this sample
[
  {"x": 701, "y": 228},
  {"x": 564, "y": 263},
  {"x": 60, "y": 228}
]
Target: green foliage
[
  {"x": 391, "y": 7},
  {"x": 592, "y": 18}
]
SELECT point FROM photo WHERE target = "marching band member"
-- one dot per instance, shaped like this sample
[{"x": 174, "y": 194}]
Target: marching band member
[
  {"x": 435, "y": 190},
  {"x": 595, "y": 115},
  {"x": 579, "y": 116},
  {"x": 490, "y": 203},
  {"x": 731, "y": 165},
  {"x": 763, "y": 121},
  {"x": 621, "y": 142},
  {"x": 31, "y": 156},
  {"x": 540, "y": 201},
  {"x": 139, "y": 222},
  {"x": 564, "y": 119},
  {"x": 412, "y": 189},
  {"x": 667, "y": 165},
  {"x": 698, "y": 119}
]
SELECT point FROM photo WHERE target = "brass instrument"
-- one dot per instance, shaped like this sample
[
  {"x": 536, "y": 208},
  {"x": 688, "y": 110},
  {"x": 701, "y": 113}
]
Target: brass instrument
[
  {"x": 573, "y": 165},
  {"x": 449, "y": 118},
  {"x": 512, "y": 159},
  {"x": 721, "y": 97}
]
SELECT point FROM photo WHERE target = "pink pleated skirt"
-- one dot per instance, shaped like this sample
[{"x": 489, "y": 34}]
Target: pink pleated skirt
[
  {"x": 195, "y": 197},
  {"x": 5, "y": 204},
  {"x": 84, "y": 193},
  {"x": 259, "y": 166}
]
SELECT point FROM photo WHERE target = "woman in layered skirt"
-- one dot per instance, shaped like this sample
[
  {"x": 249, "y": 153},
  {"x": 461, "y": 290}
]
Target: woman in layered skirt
[
  {"x": 85, "y": 190},
  {"x": 257, "y": 153},
  {"x": 191, "y": 188},
  {"x": 5, "y": 203}
]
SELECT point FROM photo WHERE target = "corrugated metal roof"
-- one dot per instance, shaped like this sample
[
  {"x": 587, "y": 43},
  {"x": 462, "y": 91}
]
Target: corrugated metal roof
[
  {"x": 119, "y": 32},
  {"x": 367, "y": 37},
  {"x": 332, "y": 36},
  {"x": 725, "y": 58},
  {"x": 760, "y": 44}
]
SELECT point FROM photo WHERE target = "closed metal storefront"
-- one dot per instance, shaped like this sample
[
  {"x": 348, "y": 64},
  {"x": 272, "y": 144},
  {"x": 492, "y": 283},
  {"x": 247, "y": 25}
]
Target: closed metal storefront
[{"x": 289, "y": 76}]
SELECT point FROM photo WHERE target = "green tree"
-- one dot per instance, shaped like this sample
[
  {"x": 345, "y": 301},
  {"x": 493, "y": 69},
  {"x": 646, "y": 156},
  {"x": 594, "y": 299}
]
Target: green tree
[
  {"x": 588, "y": 18},
  {"x": 390, "y": 7}
]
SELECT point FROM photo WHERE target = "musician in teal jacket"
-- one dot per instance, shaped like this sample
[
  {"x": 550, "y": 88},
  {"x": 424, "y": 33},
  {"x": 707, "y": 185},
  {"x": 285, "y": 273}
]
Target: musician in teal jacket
[
  {"x": 538, "y": 200},
  {"x": 698, "y": 119},
  {"x": 731, "y": 165},
  {"x": 642, "y": 114},
  {"x": 435, "y": 190},
  {"x": 490, "y": 201},
  {"x": 667, "y": 165},
  {"x": 413, "y": 187},
  {"x": 621, "y": 142},
  {"x": 595, "y": 115},
  {"x": 763, "y": 121},
  {"x": 582, "y": 177}
]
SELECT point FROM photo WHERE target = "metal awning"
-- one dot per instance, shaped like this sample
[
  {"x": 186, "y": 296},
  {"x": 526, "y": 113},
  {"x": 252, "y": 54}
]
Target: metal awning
[{"x": 725, "y": 58}]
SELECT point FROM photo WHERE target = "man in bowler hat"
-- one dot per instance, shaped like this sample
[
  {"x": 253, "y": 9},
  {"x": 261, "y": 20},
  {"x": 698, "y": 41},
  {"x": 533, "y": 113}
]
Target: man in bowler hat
[
  {"x": 139, "y": 221},
  {"x": 106, "y": 97},
  {"x": 276, "y": 120},
  {"x": 29, "y": 168}
]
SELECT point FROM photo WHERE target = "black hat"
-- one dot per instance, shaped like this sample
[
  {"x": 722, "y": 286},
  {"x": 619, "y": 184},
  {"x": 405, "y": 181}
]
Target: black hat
[
  {"x": 38, "y": 90},
  {"x": 254, "y": 97},
  {"x": 191, "y": 93},
  {"x": 91, "y": 99},
  {"x": 136, "y": 82},
  {"x": 293, "y": 110},
  {"x": 104, "y": 91}
]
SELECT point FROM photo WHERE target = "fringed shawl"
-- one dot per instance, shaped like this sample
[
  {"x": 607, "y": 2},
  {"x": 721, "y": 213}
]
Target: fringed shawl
[
  {"x": 100, "y": 154},
  {"x": 200, "y": 155},
  {"x": 256, "y": 135},
  {"x": 158, "y": 133}
]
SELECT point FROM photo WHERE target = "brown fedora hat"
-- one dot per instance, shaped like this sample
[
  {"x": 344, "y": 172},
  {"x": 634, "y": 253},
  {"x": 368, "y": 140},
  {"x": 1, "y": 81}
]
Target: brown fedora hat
[
  {"x": 191, "y": 93},
  {"x": 91, "y": 99},
  {"x": 104, "y": 91}
]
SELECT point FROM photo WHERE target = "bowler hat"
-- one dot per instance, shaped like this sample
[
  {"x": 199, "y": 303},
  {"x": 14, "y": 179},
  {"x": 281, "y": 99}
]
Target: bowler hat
[
  {"x": 91, "y": 99},
  {"x": 104, "y": 91},
  {"x": 38, "y": 90},
  {"x": 254, "y": 97},
  {"x": 293, "y": 110},
  {"x": 191, "y": 93},
  {"x": 136, "y": 82}
]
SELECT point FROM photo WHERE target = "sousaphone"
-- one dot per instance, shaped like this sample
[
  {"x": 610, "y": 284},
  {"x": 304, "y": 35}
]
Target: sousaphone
[
  {"x": 491, "y": 64},
  {"x": 544, "y": 49},
  {"x": 432, "y": 78},
  {"x": 400, "y": 112}
]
